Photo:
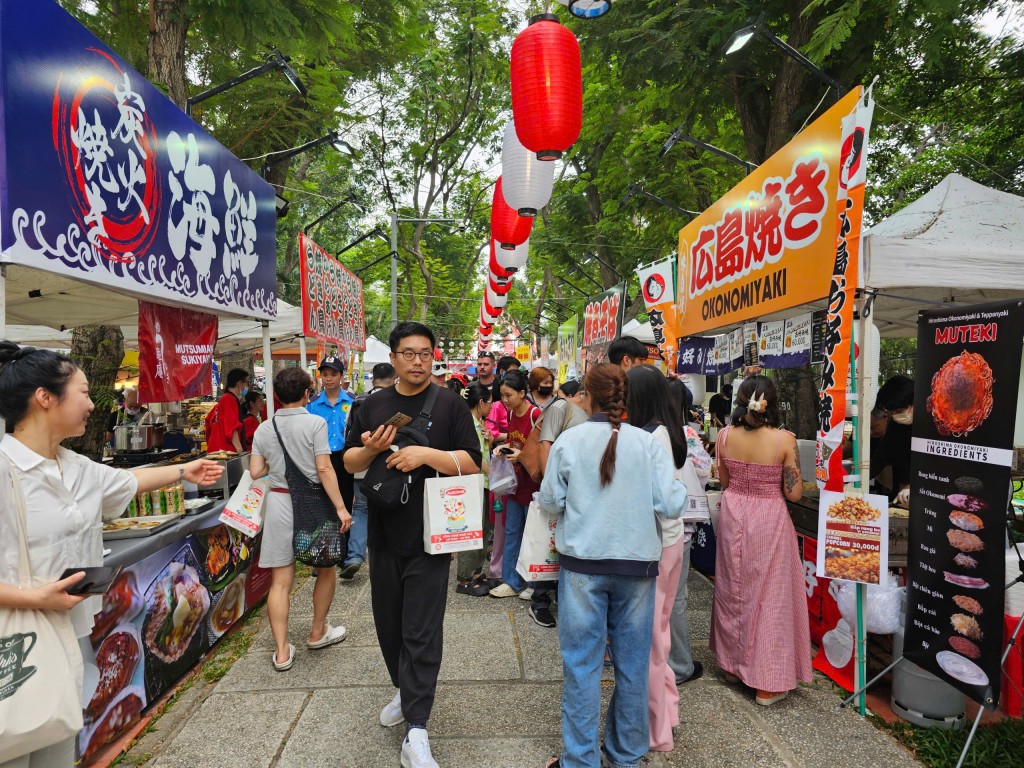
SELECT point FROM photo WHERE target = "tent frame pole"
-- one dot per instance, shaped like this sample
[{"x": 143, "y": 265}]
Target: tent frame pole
[{"x": 268, "y": 369}]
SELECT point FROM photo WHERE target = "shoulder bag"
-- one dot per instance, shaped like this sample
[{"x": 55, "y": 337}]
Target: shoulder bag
[
  {"x": 40, "y": 664},
  {"x": 317, "y": 538},
  {"x": 388, "y": 488}
]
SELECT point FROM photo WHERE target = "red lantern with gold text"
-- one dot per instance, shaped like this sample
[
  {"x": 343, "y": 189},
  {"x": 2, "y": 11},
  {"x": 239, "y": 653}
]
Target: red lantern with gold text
[
  {"x": 547, "y": 87},
  {"x": 508, "y": 228}
]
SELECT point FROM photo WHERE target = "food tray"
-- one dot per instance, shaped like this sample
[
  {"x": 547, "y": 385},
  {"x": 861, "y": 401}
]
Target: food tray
[
  {"x": 134, "y": 532},
  {"x": 195, "y": 509}
]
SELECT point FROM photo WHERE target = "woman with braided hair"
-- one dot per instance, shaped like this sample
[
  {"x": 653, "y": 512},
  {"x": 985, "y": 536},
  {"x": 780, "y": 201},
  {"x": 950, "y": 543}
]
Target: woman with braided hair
[
  {"x": 608, "y": 483},
  {"x": 759, "y": 630}
]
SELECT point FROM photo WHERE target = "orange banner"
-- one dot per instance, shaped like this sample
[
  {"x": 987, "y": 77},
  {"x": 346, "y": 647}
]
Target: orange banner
[{"x": 769, "y": 243}]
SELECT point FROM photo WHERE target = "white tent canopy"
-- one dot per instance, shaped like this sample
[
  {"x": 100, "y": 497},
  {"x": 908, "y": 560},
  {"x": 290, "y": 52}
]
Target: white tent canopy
[
  {"x": 958, "y": 243},
  {"x": 638, "y": 330}
]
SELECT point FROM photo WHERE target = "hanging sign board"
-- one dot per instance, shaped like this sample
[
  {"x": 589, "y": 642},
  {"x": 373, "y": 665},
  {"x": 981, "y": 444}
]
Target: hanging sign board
[
  {"x": 107, "y": 181},
  {"x": 657, "y": 286},
  {"x": 696, "y": 355},
  {"x": 602, "y": 322},
  {"x": 768, "y": 244},
  {"x": 567, "y": 349},
  {"x": 175, "y": 353},
  {"x": 332, "y": 298},
  {"x": 965, "y": 399}
]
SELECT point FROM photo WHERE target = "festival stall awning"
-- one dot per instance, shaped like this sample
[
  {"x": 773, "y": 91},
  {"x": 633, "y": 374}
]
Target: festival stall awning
[
  {"x": 109, "y": 193},
  {"x": 958, "y": 243}
]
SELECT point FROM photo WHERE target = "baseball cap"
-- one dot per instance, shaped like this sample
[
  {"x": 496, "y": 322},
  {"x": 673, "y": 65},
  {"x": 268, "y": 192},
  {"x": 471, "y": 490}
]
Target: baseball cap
[
  {"x": 439, "y": 369},
  {"x": 332, "y": 362}
]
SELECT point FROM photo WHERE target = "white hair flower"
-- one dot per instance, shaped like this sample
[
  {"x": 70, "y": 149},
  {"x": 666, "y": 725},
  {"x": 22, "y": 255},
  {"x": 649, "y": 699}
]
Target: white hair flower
[{"x": 757, "y": 403}]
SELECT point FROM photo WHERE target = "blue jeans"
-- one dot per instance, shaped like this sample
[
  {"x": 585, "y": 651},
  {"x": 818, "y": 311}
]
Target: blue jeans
[
  {"x": 591, "y": 608},
  {"x": 515, "y": 523},
  {"x": 357, "y": 533}
]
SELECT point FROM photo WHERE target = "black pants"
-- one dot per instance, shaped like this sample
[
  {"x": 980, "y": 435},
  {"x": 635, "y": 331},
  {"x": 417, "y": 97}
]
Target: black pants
[
  {"x": 346, "y": 480},
  {"x": 408, "y": 594}
]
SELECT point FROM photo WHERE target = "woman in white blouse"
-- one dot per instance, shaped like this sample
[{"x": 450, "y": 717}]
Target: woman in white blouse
[{"x": 44, "y": 399}]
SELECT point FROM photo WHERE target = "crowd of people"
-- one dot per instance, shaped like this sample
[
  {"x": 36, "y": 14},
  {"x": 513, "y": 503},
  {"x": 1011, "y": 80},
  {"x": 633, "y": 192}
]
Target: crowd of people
[{"x": 614, "y": 456}]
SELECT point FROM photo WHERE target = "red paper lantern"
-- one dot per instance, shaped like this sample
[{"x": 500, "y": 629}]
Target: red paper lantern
[
  {"x": 491, "y": 311},
  {"x": 499, "y": 285},
  {"x": 496, "y": 269},
  {"x": 507, "y": 226},
  {"x": 547, "y": 87}
]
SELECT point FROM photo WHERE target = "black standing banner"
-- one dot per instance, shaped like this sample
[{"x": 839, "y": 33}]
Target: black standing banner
[{"x": 965, "y": 404}]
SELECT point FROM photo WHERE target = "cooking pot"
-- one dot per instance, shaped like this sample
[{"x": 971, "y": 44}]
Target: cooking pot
[{"x": 137, "y": 437}]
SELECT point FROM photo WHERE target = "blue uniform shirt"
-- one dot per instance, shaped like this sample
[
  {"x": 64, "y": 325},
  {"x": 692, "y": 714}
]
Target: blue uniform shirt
[{"x": 335, "y": 416}]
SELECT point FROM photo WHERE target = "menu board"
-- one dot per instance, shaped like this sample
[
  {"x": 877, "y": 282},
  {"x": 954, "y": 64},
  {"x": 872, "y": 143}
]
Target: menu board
[
  {"x": 818, "y": 337},
  {"x": 853, "y": 537},
  {"x": 965, "y": 402}
]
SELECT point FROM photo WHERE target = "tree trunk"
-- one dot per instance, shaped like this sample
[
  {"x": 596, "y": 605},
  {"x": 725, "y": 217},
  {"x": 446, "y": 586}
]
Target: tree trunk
[
  {"x": 98, "y": 350},
  {"x": 243, "y": 360},
  {"x": 168, "y": 28}
]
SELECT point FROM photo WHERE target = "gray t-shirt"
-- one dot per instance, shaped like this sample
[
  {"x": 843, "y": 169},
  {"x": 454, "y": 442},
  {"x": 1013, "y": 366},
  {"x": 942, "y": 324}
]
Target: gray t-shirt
[
  {"x": 554, "y": 418},
  {"x": 305, "y": 437}
]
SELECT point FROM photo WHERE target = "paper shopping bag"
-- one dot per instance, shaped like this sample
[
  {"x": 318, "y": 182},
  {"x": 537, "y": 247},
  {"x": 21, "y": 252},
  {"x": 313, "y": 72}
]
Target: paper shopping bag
[
  {"x": 697, "y": 508},
  {"x": 244, "y": 510},
  {"x": 538, "y": 558},
  {"x": 453, "y": 519}
]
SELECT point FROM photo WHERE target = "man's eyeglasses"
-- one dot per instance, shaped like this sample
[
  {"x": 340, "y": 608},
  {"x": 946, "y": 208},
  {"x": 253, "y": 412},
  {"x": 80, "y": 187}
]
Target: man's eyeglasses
[{"x": 408, "y": 354}]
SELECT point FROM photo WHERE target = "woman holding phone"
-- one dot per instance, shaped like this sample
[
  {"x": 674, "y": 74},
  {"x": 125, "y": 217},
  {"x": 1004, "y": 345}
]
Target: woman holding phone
[{"x": 44, "y": 399}]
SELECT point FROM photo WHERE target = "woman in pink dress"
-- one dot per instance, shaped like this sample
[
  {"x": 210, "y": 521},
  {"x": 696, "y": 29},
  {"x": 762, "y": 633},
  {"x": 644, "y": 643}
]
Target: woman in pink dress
[{"x": 759, "y": 628}]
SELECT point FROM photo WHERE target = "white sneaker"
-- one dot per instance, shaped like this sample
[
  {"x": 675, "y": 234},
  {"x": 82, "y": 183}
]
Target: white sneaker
[
  {"x": 526, "y": 594},
  {"x": 392, "y": 715},
  {"x": 416, "y": 750}
]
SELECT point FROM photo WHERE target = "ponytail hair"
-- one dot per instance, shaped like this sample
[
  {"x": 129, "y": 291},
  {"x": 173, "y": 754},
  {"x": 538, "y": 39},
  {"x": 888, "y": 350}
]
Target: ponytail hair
[{"x": 608, "y": 388}]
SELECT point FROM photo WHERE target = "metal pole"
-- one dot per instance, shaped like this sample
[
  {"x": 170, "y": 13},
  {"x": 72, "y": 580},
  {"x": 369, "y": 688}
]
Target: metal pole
[
  {"x": 302, "y": 353},
  {"x": 394, "y": 269},
  {"x": 268, "y": 369}
]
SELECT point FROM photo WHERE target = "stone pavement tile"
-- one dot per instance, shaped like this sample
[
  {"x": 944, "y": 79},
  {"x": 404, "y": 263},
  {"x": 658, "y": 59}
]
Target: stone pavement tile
[
  {"x": 360, "y": 630},
  {"x": 495, "y": 753},
  {"x": 542, "y": 659},
  {"x": 813, "y": 728},
  {"x": 232, "y": 729},
  {"x": 700, "y": 624},
  {"x": 339, "y": 665},
  {"x": 497, "y": 711},
  {"x": 348, "y": 597},
  {"x": 479, "y": 647}
]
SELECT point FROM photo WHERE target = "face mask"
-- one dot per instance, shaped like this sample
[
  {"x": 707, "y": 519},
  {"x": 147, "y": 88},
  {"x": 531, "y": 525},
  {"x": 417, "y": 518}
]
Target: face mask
[
  {"x": 132, "y": 411},
  {"x": 244, "y": 392},
  {"x": 545, "y": 391},
  {"x": 904, "y": 419}
]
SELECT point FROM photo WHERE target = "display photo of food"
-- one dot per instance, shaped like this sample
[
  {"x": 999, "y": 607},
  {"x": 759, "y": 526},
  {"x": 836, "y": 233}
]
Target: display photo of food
[
  {"x": 970, "y": 582},
  {"x": 226, "y": 554},
  {"x": 123, "y": 710},
  {"x": 121, "y": 603},
  {"x": 965, "y": 647},
  {"x": 971, "y": 486},
  {"x": 967, "y": 502},
  {"x": 961, "y": 394},
  {"x": 853, "y": 510},
  {"x": 966, "y": 521},
  {"x": 228, "y": 607},
  {"x": 964, "y": 541},
  {"x": 969, "y": 604},
  {"x": 116, "y": 659},
  {"x": 178, "y": 605},
  {"x": 960, "y": 668},
  {"x": 965, "y": 561},
  {"x": 967, "y": 626},
  {"x": 842, "y": 563}
]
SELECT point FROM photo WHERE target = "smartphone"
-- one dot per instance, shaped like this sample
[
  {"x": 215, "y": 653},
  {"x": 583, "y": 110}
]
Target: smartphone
[
  {"x": 506, "y": 451},
  {"x": 96, "y": 581},
  {"x": 398, "y": 421}
]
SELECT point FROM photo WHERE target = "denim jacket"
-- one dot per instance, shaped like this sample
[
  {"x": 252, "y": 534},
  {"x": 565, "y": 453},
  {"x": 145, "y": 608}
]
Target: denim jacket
[{"x": 618, "y": 521}]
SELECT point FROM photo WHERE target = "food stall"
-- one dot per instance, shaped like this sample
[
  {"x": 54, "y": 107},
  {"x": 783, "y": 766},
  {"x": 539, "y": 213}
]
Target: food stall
[{"x": 111, "y": 198}]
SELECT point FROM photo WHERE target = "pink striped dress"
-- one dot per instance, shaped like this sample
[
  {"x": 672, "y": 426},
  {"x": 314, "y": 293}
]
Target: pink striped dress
[{"x": 759, "y": 624}]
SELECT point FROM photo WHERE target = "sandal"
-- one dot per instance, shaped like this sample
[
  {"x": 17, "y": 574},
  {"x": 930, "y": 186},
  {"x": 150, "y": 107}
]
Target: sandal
[
  {"x": 285, "y": 665},
  {"x": 555, "y": 762}
]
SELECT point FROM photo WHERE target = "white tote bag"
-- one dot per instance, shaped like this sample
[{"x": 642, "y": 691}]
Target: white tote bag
[
  {"x": 538, "y": 558},
  {"x": 40, "y": 665},
  {"x": 244, "y": 510},
  {"x": 453, "y": 507},
  {"x": 697, "y": 508}
]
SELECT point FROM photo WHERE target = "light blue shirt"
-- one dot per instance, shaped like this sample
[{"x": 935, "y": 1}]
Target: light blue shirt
[
  {"x": 335, "y": 416},
  {"x": 620, "y": 520}
]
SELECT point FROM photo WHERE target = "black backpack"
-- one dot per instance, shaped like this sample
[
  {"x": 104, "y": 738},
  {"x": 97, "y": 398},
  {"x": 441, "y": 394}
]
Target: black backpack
[{"x": 388, "y": 488}]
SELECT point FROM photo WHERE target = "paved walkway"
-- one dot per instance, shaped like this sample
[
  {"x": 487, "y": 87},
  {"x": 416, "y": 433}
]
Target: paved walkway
[{"x": 498, "y": 703}]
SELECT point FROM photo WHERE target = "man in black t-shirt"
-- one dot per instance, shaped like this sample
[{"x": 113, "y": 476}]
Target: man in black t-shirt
[
  {"x": 409, "y": 588},
  {"x": 721, "y": 406}
]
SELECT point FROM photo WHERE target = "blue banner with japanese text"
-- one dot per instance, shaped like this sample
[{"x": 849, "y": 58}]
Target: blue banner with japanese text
[{"x": 105, "y": 180}]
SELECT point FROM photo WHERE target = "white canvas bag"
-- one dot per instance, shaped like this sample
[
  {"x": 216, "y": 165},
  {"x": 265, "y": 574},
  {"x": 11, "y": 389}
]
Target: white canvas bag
[
  {"x": 40, "y": 665},
  {"x": 538, "y": 558}
]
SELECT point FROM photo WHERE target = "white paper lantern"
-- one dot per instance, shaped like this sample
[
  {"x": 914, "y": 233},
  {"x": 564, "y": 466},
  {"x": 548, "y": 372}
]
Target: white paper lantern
[
  {"x": 486, "y": 318},
  {"x": 496, "y": 299},
  {"x": 587, "y": 9},
  {"x": 526, "y": 182},
  {"x": 515, "y": 260}
]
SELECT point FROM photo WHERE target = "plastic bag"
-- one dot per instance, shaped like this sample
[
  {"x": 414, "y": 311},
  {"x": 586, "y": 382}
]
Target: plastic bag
[
  {"x": 881, "y": 608},
  {"x": 503, "y": 477}
]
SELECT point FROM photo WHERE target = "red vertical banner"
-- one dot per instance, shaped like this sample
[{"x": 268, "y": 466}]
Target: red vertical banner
[
  {"x": 332, "y": 298},
  {"x": 838, "y": 336},
  {"x": 175, "y": 353}
]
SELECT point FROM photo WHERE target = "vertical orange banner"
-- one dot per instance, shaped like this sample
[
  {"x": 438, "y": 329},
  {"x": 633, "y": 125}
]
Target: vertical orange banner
[{"x": 838, "y": 335}]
